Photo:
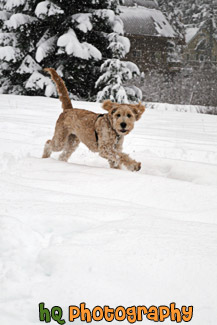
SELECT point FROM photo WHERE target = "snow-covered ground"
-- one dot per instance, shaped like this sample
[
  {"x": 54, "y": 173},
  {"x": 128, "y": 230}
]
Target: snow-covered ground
[{"x": 81, "y": 232}]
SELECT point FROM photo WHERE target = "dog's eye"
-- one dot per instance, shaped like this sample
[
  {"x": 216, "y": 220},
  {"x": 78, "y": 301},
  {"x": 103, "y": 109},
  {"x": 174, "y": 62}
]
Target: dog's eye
[
  {"x": 129, "y": 115},
  {"x": 118, "y": 115}
]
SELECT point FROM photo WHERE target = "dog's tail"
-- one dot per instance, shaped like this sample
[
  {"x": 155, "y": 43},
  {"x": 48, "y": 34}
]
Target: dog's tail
[{"x": 61, "y": 88}]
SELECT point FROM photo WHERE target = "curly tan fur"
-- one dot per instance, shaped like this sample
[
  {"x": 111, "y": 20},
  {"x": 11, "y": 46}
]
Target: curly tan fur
[{"x": 100, "y": 133}]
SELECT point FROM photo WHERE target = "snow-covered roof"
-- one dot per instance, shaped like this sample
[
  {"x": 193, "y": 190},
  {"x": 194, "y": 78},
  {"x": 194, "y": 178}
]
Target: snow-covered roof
[
  {"x": 190, "y": 33},
  {"x": 143, "y": 3},
  {"x": 145, "y": 21}
]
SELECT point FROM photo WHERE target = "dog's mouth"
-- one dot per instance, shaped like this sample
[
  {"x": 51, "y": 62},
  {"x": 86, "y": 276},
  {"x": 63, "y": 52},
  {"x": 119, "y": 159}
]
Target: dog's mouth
[{"x": 123, "y": 131}]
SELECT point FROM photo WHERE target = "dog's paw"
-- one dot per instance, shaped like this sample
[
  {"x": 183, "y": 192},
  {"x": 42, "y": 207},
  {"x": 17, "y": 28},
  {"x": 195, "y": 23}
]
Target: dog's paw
[
  {"x": 63, "y": 158},
  {"x": 135, "y": 166}
]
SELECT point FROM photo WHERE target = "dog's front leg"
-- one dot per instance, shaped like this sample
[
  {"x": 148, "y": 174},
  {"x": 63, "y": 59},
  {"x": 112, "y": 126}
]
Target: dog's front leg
[
  {"x": 129, "y": 163},
  {"x": 116, "y": 158}
]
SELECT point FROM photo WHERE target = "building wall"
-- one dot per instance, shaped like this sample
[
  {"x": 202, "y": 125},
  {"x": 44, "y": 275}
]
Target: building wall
[
  {"x": 148, "y": 52},
  {"x": 193, "y": 55}
]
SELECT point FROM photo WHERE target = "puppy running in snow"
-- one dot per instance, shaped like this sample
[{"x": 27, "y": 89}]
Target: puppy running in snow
[{"x": 102, "y": 133}]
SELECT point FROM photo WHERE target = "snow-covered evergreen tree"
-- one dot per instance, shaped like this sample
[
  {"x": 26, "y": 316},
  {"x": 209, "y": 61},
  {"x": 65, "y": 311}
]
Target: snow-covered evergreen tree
[
  {"x": 196, "y": 11},
  {"x": 173, "y": 12},
  {"x": 191, "y": 12},
  {"x": 113, "y": 82},
  {"x": 72, "y": 37},
  {"x": 17, "y": 39}
]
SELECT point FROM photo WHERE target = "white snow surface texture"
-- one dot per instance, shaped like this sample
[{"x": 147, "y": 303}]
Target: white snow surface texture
[{"x": 81, "y": 232}]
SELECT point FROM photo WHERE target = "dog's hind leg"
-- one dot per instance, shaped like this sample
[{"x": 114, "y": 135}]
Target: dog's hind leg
[
  {"x": 47, "y": 149},
  {"x": 70, "y": 146},
  {"x": 57, "y": 143}
]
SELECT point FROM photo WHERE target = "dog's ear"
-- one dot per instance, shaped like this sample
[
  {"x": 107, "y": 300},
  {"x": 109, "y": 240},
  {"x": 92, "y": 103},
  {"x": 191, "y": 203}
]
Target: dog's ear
[
  {"x": 107, "y": 105},
  {"x": 138, "y": 110},
  {"x": 110, "y": 106}
]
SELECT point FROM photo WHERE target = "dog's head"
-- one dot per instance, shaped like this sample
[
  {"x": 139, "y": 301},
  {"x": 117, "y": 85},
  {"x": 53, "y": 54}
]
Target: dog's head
[{"x": 123, "y": 116}]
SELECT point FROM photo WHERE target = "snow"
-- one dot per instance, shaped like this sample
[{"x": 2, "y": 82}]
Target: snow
[
  {"x": 47, "y": 8},
  {"x": 132, "y": 67},
  {"x": 106, "y": 14},
  {"x": 92, "y": 51},
  {"x": 72, "y": 45},
  {"x": 119, "y": 43},
  {"x": 28, "y": 66},
  {"x": 125, "y": 42},
  {"x": 45, "y": 48},
  {"x": 145, "y": 3},
  {"x": 79, "y": 231},
  {"x": 38, "y": 81},
  {"x": 17, "y": 20},
  {"x": 118, "y": 26},
  {"x": 9, "y": 53},
  {"x": 83, "y": 20},
  {"x": 161, "y": 107},
  {"x": 111, "y": 83},
  {"x": 4, "y": 15},
  {"x": 114, "y": 21},
  {"x": 8, "y": 39},
  {"x": 10, "y": 4},
  {"x": 145, "y": 21},
  {"x": 190, "y": 33},
  {"x": 133, "y": 92}
]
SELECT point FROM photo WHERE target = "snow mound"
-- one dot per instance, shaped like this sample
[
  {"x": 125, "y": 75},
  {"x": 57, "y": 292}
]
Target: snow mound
[
  {"x": 18, "y": 20},
  {"x": 46, "y": 48},
  {"x": 38, "y": 81},
  {"x": 10, "y": 4},
  {"x": 81, "y": 50},
  {"x": 28, "y": 66},
  {"x": 47, "y": 8},
  {"x": 9, "y": 53},
  {"x": 114, "y": 21},
  {"x": 83, "y": 22},
  {"x": 133, "y": 68},
  {"x": 119, "y": 45},
  {"x": 105, "y": 14},
  {"x": 4, "y": 15},
  {"x": 8, "y": 39},
  {"x": 133, "y": 92}
]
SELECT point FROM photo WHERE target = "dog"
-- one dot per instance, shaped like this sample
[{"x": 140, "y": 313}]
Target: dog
[{"x": 102, "y": 133}]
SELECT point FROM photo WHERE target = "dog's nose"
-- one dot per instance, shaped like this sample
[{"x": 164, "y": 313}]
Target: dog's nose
[{"x": 123, "y": 125}]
